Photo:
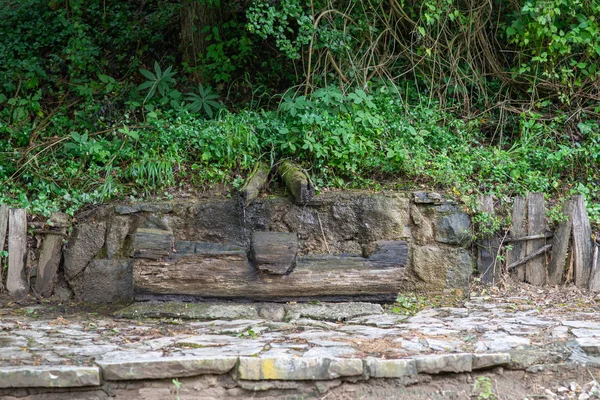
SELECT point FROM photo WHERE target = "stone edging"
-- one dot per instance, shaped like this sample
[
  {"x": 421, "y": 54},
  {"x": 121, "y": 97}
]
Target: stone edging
[{"x": 245, "y": 369}]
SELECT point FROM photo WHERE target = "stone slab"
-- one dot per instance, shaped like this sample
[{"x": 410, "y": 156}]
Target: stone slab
[
  {"x": 136, "y": 368},
  {"x": 378, "y": 368},
  {"x": 295, "y": 368},
  {"x": 331, "y": 311},
  {"x": 49, "y": 376},
  {"x": 481, "y": 361},
  {"x": 434, "y": 364},
  {"x": 202, "y": 311},
  {"x": 86, "y": 241}
]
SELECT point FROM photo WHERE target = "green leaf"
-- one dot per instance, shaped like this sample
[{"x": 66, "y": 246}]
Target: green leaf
[
  {"x": 148, "y": 74},
  {"x": 145, "y": 85}
]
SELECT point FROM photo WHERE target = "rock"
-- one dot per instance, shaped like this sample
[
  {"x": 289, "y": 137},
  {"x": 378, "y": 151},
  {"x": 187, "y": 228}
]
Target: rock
[
  {"x": 590, "y": 345},
  {"x": 422, "y": 233},
  {"x": 272, "y": 312},
  {"x": 329, "y": 352},
  {"x": 459, "y": 274},
  {"x": 274, "y": 252},
  {"x": 454, "y": 228},
  {"x": 108, "y": 281},
  {"x": 383, "y": 217},
  {"x": 441, "y": 267},
  {"x": 325, "y": 386},
  {"x": 62, "y": 292},
  {"x": 331, "y": 311},
  {"x": 427, "y": 198},
  {"x": 583, "y": 333},
  {"x": 262, "y": 386},
  {"x": 378, "y": 368},
  {"x": 125, "y": 210},
  {"x": 85, "y": 243},
  {"x": 481, "y": 361},
  {"x": 156, "y": 207},
  {"x": 137, "y": 367},
  {"x": 48, "y": 376},
  {"x": 499, "y": 341},
  {"x": 202, "y": 311},
  {"x": 115, "y": 237},
  {"x": 378, "y": 320},
  {"x": 553, "y": 353},
  {"x": 434, "y": 364},
  {"x": 296, "y": 368}
]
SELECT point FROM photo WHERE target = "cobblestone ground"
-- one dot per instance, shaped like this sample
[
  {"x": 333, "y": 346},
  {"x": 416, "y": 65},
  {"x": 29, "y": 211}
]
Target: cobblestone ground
[{"x": 531, "y": 332}]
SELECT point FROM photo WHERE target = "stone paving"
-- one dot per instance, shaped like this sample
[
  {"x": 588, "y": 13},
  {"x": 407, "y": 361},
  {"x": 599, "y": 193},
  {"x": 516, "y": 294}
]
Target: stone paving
[{"x": 292, "y": 342}]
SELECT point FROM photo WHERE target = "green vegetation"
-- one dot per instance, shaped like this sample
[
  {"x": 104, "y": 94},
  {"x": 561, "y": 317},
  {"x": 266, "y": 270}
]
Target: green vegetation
[
  {"x": 484, "y": 388},
  {"x": 128, "y": 99},
  {"x": 410, "y": 305}
]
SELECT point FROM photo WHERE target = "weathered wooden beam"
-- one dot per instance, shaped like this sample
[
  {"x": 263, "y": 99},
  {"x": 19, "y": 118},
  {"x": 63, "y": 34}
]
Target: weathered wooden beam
[
  {"x": 487, "y": 248},
  {"x": 230, "y": 275},
  {"x": 560, "y": 246},
  {"x": 153, "y": 243},
  {"x": 3, "y": 227},
  {"x": 274, "y": 252},
  {"x": 16, "y": 279},
  {"x": 518, "y": 228},
  {"x": 582, "y": 243},
  {"x": 50, "y": 256},
  {"x": 529, "y": 257},
  {"x": 255, "y": 183},
  {"x": 535, "y": 270},
  {"x": 297, "y": 182}
]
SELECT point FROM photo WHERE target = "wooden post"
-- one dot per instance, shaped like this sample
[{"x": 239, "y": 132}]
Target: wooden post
[
  {"x": 3, "y": 226},
  {"x": 274, "y": 252},
  {"x": 254, "y": 184},
  {"x": 487, "y": 266},
  {"x": 518, "y": 229},
  {"x": 582, "y": 243},
  {"x": 50, "y": 256},
  {"x": 535, "y": 269},
  {"x": 297, "y": 182},
  {"x": 594, "y": 286},
  {"x": 560, "y": 246},
  {"x": 16, "y": 281}
]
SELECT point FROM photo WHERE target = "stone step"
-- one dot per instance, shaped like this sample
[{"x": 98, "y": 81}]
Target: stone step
[
  {"x": 136, "y": 367},
  {"x": 51, "y": 376}
]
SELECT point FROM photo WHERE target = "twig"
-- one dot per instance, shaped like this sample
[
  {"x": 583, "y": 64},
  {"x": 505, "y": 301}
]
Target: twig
[
  {"x": 539, "y": 251},
  {"x": 33, "y": 158},
  {"x": 530, "y": 237},
  {"x": 323, "y": 233}
]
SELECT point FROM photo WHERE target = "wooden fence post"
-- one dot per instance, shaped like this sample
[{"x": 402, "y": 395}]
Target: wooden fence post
[
  {"x": 3, "y": 226},
  {"x": 560, "y": 246},
  {"x": 487, "y": 248},
  {"x": 518, "y": 229},
  {"x": 535, "y": 269},
  {"x": 582, "y": 243},
  {"x": 16, "y": 282}
]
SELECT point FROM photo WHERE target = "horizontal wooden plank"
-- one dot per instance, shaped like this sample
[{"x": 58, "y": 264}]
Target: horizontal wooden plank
[{"x": 226, "y": 276}]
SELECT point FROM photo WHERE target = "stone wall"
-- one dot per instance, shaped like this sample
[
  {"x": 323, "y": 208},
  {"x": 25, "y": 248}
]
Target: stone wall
[{"x": 334, "y": 230}]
